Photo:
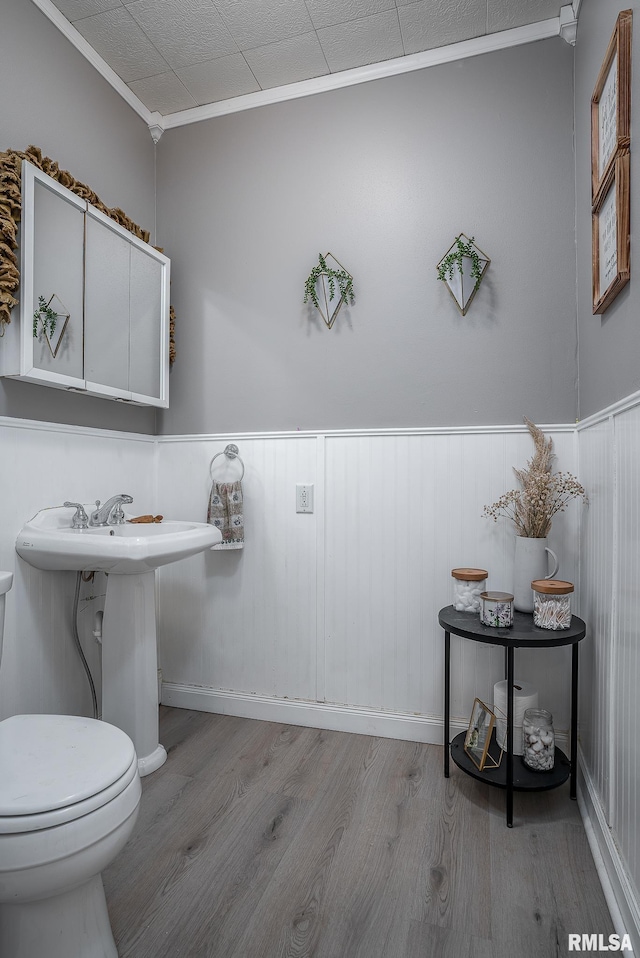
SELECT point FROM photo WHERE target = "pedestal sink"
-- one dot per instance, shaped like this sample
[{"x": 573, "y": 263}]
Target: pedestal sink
[{"x": 130, "y": 554}]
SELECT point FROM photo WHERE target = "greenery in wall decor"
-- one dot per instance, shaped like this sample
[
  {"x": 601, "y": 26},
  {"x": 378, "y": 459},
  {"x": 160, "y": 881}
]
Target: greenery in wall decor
[
  {"x": 330, "y": 278},
  {"x": 453, "y": 259},
  {"x": 462, "y": 269},
  {"x": 44, "y": 316},
  {"x": 50, "y": 322}
]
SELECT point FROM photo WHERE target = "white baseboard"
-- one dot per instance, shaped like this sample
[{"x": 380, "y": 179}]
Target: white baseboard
[
  {"x": 339, "y": 718},
  {"x": 619, "y": 891}
]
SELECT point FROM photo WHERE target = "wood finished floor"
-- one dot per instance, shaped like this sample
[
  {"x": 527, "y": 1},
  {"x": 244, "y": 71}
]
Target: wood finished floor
[{"x": 260, "y": 840}]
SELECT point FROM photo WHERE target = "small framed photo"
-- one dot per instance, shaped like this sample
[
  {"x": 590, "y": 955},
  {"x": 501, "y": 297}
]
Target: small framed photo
[
  {"x": 478, "y": 737},
  {"x": 611, "y": 106},
  {"x": 610, "y": 230}
]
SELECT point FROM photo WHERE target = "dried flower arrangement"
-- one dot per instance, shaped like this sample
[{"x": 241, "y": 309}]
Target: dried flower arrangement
[{"x": 543, "y": 493}]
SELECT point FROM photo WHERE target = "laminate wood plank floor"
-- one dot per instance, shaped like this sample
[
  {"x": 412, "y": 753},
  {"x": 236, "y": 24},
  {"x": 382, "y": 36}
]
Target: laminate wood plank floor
[{"x": 261, "y": 840}]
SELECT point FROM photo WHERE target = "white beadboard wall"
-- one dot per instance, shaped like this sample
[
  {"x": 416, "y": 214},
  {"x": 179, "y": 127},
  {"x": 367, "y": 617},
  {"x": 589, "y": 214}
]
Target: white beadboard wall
[
  {"x": 596, "y": 452},
  {"x": 331, "y": 618},
  {"x": 43, "y": 465},
  {"x": 609, "y": 465}
]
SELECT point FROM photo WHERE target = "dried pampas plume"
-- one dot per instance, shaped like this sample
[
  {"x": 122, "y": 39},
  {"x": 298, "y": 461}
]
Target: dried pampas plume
[{"x": 542, "y": 493}]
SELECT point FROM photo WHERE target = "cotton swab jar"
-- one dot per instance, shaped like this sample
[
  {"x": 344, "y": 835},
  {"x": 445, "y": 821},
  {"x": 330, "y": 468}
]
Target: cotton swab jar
[
  {"x": 551, "y": 603},
  {"x": 468, "y": 585}
]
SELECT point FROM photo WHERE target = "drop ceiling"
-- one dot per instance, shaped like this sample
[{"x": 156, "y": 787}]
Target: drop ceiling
[{"x": 176, "y": 61}]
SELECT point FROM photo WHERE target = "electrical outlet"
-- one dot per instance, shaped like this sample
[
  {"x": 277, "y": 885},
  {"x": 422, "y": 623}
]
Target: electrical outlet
[{"x": 304, "y": 497}]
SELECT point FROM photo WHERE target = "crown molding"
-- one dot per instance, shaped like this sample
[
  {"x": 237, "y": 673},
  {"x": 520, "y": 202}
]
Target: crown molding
[
  {"x": 335, "y": 81},
  {"x": 157, "y": 123},
  {"x": 156, "y": 126},
  {"x": 569, "y": 23}
]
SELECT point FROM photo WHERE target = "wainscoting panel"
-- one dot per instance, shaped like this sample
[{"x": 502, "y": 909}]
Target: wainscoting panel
[
  {"x": 43, "y": 465},
  {"x": 243, "y": 620},
  {"x": 625, "y": 695},
  {"x": 596, "y": 471},
  {"x": 401, "y": 512},
  {"x": 609, "y": 455},
  {"x": 340, "y": 607}
]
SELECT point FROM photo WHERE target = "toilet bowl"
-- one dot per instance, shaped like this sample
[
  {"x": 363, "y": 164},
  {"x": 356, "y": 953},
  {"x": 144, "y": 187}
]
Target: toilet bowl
[{"x": 69, "y": 798}]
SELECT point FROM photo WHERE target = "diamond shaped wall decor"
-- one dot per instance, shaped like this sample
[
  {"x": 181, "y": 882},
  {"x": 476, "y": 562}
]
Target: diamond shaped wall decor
[
  {"x": 462, "y": 268},
  {"x": 324, "y": 283},
  {"x": 53, "y": 338}
]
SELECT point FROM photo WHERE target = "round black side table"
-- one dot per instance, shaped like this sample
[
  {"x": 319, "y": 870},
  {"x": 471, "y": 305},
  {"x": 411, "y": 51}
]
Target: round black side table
[{"x": 524, "y": 634}]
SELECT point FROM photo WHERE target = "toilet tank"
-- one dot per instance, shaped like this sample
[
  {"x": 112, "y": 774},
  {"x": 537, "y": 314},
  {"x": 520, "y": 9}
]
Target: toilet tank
[{"x": 6, "y": 579}]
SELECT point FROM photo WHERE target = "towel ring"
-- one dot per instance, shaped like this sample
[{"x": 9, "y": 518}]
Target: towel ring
[{"x": 231, "y": 452}]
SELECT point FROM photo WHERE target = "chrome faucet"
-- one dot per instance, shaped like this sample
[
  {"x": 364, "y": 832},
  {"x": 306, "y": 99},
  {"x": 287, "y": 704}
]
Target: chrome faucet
[
  {"x": 80, "y": 518},
  {"x": 111, "y": 512}
]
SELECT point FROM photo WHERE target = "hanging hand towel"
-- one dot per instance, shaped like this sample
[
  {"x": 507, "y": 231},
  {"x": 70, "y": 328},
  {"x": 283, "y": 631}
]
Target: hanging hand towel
[{"x": 225, "y": 513}]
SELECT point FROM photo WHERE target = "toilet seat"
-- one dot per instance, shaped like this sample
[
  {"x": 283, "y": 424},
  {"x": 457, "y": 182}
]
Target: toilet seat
[{"x": 57, "y": 768}]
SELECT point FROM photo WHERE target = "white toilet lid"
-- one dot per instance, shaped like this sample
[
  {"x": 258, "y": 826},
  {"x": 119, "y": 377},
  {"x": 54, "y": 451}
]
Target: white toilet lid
[{"x": 49, "y": 762}]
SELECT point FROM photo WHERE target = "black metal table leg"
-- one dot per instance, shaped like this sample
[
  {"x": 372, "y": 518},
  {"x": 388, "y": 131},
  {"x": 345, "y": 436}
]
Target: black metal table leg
[
  {"x": 574, "y": 721},
  {"x": 447, "y": 691},
  {"x": 510, "y": 737}
]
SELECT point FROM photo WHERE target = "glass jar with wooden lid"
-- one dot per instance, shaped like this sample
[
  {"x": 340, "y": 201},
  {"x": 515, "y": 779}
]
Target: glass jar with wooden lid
[
  {"x": 497, "y": 609},
  {"x": 468, "y": 585},
  {"x": 552, "y": 603}
]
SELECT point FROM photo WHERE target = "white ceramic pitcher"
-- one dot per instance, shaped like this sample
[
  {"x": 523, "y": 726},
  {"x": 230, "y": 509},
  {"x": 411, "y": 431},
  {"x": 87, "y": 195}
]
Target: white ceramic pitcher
[{"x": 531, "y": 561}]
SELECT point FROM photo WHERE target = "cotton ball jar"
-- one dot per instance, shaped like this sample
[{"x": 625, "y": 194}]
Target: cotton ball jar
[
  {"x": 538, "y": 739},
  {"x": 468, "y": 585}
]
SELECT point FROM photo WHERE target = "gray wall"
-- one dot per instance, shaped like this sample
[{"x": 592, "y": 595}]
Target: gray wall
[
  {"x": 54, "y": 99},
  {"x": 609, "y": 345},
  {"x": 384, "y": 175}
]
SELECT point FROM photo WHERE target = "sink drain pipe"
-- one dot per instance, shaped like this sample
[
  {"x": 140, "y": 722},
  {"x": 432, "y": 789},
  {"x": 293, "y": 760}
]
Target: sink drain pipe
[{"x": 76, "y": 639}]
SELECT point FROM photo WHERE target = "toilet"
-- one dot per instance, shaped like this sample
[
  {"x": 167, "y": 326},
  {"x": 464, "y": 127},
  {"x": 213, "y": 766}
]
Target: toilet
[{"x": 69, "y": 798}]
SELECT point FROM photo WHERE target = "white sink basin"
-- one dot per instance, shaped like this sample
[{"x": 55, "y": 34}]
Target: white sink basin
[
  {"x": 48, "y": 542},
  {"x": 129, "y": 648}
]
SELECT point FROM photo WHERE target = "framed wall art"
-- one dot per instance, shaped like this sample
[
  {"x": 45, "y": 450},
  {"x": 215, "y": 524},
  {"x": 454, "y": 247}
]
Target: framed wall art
[
  {"x": 611, "y": 106},
  {"x": 610, "y": 230}
]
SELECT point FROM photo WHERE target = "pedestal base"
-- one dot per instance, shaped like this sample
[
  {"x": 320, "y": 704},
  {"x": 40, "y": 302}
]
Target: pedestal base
[
  {"x": 150, "y": 763},
  {"x": 130, "y": 665}
]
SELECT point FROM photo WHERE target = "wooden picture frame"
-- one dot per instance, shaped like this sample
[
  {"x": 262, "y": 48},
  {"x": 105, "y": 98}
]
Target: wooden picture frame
[
  {"x": 478, "y": 737},
  {"x": 610, "y": 231},
  {"x": 611, "y": 106}
]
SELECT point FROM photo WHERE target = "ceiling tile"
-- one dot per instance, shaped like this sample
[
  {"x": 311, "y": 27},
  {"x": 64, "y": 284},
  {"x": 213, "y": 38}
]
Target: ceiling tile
[
  {"x": 118, "y": 39},
  {"x": 183, "y": 31},
  {"x": 435, "y": 23},
  {"x": 219, "y": 79},
  {"x": 504, "y": 14},
  {"x": 359, "y": 42},
  {"x": 164, "y": 93},
  {"x": 253, "y": 23},
  {"x": 326, "y": 13},
  {"x": 76, "y": 9},
  {"x": 289, "y": 61}
]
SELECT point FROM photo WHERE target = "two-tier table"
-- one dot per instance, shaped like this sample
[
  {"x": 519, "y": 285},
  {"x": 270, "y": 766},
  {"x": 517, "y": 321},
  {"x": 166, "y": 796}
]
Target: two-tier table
[{"x": 512, "y": 775}]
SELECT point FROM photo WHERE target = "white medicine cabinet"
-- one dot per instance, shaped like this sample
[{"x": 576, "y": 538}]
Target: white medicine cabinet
[{"x": 108, "y": 289}]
